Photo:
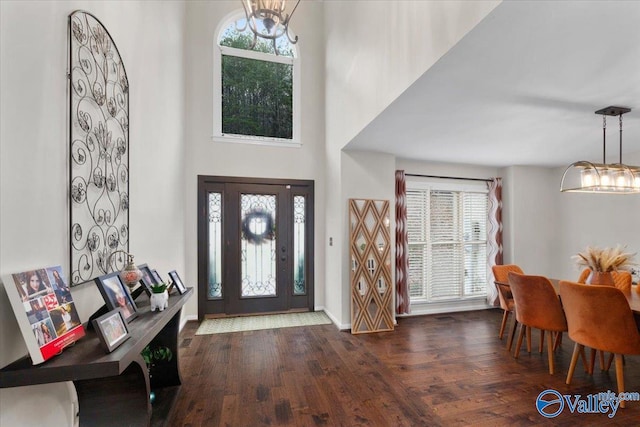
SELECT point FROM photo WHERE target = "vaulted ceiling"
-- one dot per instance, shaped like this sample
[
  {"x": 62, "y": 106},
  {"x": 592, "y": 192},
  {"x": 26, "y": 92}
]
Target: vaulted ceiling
[{"x": 521, "y": 88}]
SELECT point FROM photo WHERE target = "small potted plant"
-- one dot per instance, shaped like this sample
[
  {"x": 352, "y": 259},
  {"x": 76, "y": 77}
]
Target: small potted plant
[
  {"x": 159, "y": 297},
  {"x": 152, "y": 357}
]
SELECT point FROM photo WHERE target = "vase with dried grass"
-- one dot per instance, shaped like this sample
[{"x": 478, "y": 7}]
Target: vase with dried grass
[{"x": 603, "y": 261}]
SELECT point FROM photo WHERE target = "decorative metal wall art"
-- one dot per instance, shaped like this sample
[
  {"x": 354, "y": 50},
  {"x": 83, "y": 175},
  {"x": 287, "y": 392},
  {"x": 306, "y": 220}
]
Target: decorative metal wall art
[{"x": 99, "y": 150}]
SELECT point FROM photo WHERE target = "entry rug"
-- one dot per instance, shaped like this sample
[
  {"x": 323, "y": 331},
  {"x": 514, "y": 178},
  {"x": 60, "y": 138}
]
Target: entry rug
[{"x": 255, "y": 323}]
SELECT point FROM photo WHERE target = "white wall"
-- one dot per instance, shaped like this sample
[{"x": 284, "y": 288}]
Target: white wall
[
  {"x": 594, "y": 220},
  {"x": 529, "y": 218},
  {"x": 373, "y": 54},
  {"x": 365, "y": 175},
  {"x": 544, "y": 228},
  {"x": 204, "y": 157},
  {"x": 34, "y": 156},
  {"x": 446, "y": 169},
  {"x": 377, "y": 49}
]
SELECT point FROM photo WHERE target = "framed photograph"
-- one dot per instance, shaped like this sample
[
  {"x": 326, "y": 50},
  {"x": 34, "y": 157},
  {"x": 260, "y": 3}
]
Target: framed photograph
[
  {"x": 116, "y": 295},
  {"x": 111, "y": 329},
  {"x": 157, "y": 277},
  {"x": 45, "y": 311},
  {"x": 177, "y": 282},
  {"x": 147, "y": 278}
]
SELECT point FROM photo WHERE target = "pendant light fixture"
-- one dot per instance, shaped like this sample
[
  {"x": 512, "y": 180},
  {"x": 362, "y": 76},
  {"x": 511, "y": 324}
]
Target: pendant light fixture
[
  {"x": 268, "y": 19},
  {"x": 611, "y": 178}
]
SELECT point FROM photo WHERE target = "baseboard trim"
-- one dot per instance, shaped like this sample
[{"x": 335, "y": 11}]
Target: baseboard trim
[
  {"x": 446, "y": 307},
  {"x": 335, "y": 321},
  {"x": 185, "y": 319}
]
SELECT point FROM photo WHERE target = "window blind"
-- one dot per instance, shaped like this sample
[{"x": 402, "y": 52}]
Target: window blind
[{"x": 447, "y": 232}]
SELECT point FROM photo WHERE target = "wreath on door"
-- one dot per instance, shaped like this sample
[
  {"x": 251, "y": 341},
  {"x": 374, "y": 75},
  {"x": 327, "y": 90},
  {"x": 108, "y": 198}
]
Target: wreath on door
[{"x": 257, "y": 226}]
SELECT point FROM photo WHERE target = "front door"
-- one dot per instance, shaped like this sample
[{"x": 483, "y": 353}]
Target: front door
[{"x": 255, "y": 243}]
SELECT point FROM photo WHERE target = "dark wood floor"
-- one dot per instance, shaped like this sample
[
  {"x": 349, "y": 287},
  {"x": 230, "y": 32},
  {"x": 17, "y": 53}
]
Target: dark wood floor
[{"x": 448, "y": 370}]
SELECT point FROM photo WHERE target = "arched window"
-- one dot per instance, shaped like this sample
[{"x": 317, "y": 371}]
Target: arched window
[{"x": 256, "y": 92}]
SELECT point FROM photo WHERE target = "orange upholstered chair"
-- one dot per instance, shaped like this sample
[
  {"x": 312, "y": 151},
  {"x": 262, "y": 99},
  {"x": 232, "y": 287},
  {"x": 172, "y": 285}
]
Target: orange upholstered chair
[
  {"x": 500, "y": 274},
  {"x": 599, "y": 317},
  {"x": 622, "y": 280},
  {"x": 584, "y": 275},
  {"x": 537, "y": 306}
]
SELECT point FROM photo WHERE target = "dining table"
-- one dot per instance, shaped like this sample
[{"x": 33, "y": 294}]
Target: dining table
[{"x": 633, "y": 296}]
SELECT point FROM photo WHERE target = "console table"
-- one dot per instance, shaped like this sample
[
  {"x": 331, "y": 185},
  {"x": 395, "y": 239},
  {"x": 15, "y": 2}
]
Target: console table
[{"x": 114, "y": 389}]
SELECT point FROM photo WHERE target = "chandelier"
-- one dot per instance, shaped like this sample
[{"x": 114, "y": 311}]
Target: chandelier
[
  {"x": 612, "y": 178},
  {"x": 268, "y": 19}
]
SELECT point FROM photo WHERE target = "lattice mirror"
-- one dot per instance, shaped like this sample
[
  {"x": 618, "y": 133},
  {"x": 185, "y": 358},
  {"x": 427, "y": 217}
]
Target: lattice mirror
[{"x": 371, "y": 295}]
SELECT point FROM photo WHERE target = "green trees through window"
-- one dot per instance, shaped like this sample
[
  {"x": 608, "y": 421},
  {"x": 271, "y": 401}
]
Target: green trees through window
[{"x": 256, "y": 86}]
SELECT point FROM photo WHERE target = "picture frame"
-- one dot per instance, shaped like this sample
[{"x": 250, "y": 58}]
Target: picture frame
[
  {"x": 116, "y": 294},
  {"x": 156, "y": 277},
  {"x": 111, "y": 329},
  {"x": 147, "y": 279},
  {"x": 44, "y": 309},
  {"x": 177, "y": 282}
]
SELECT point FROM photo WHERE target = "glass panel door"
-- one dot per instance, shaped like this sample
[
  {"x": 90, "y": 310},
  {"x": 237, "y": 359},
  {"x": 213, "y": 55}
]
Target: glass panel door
[
  {"x": 258, "y": 244},
  {"x": 257, "y": 248},
  {"x": 255, "y": 245}
]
